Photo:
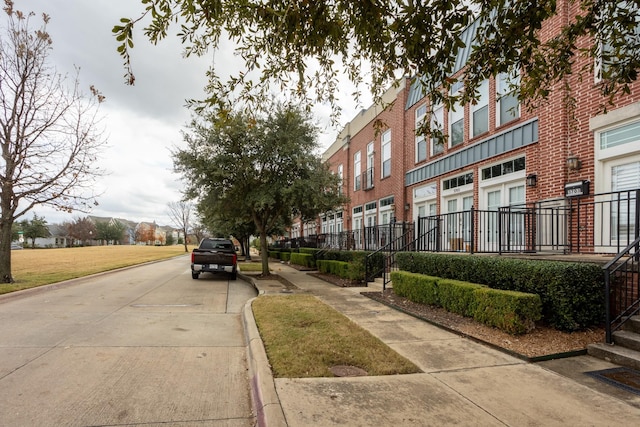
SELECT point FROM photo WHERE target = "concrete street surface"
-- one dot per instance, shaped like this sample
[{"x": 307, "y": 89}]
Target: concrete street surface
[{"x": 141, "y": 346}]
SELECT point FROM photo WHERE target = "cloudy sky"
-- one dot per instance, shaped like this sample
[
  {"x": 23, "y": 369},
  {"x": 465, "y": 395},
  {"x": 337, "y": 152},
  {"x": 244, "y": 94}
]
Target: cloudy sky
[{"x": 142, "y": 122}]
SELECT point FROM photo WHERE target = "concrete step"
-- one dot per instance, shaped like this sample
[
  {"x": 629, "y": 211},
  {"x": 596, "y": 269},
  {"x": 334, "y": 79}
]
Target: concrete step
[
  {"x": 628, "y": 339},
  {"x": 615, "y": 354},
  {"x": 632, "y": 324}
]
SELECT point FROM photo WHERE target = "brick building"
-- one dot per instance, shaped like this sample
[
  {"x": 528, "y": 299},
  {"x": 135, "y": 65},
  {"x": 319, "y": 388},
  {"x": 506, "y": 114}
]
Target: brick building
[{"x": 505, "y": 178}]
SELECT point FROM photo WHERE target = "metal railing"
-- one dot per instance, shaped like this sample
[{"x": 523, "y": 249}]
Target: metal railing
[
  {"x": 367, "y": 179},
  {"x": 622, "y": 288},
  {"x": 401, "y": 240}
]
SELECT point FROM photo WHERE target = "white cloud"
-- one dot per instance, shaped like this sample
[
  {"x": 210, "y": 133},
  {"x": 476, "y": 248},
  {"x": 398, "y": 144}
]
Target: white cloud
[{"x": 142, "y": 122}]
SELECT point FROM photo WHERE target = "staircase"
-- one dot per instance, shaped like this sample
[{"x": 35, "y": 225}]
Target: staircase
[{"x": 625, "y": 349}]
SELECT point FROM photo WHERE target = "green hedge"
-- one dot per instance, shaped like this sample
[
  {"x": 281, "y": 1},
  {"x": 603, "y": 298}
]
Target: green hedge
[
  {"x": 304, "y": 259},
  {"x": 513, "y": 312},
  {"x": 274, "y": 254},
  {"x": 572, "y": 293},
  {"x": 346, "y": 270}
]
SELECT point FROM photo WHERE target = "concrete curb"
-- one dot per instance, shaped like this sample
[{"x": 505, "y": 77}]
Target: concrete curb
[{"x": 264, "y": 397}]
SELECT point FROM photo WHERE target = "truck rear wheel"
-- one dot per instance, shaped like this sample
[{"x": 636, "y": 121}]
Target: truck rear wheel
[
  {"x": 194, "y": 275},
  {"x": 233, "y": 276}
]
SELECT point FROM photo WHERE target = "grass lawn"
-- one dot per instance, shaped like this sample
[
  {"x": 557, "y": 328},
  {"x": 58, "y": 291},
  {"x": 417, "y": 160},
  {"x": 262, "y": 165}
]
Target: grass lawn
[
  {"x": 304, "y": 338},
  {"x": 36, "y": 267}
]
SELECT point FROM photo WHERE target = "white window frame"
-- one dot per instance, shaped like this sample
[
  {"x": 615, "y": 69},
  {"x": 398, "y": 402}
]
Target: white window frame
[
  {"x": 421, "y": 141},
  {"x": 357, "y": 171},
  {"x": 507, "y": 86},
  {"x": 437, "y": 122},
  {"x": 385, "y": 142},
  {"x": 482, "y": 102},
  {"x": 456, "y": 114}
]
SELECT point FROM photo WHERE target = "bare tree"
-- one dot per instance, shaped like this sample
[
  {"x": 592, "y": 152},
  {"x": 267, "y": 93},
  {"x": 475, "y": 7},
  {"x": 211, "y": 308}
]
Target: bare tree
[
  {"x": 180, "y": 214},
  {"x": 49, "y": 133}
]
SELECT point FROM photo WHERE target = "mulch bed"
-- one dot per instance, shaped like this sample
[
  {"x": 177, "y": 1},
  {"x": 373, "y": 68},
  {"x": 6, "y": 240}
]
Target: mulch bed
[{"x": 540, "y": 344}]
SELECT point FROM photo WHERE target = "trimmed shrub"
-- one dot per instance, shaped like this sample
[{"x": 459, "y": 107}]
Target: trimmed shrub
[
  {"x": 285, "y": 256},
  {"x": 345, "y": 270},
  {"x": 274, "y": 254},
  {"x": 572, "y": 293},
  {"x": 416, "y": 287},
  {"x": 513, "y": 312},
  {"x": 303, "y": 259},
  {"x": 457, "y": 296}
]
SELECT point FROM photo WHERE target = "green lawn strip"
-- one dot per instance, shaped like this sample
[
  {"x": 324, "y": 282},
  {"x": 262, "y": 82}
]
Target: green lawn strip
[{"x": 304, "y": 338}]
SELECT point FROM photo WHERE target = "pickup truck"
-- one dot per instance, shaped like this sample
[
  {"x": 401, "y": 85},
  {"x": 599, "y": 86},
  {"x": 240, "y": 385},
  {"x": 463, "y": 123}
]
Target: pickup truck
[{"x": 214, "y": 256}]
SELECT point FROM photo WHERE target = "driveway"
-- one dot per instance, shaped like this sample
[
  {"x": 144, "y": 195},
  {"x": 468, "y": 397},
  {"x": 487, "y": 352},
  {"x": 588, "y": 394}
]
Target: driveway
[{"x": 141, "y": 346}]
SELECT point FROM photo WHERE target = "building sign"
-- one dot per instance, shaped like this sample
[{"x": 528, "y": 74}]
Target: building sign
[{"x": 576, "y": 189}]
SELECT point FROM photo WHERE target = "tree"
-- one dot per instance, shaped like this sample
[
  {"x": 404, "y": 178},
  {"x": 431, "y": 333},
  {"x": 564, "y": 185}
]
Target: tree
[
  {"x": 48, "y": 131},
  {"x": 32, "y": 229},
  {"x": 81, "y": 229},
  {"x": 255, "y": 168},
  {"x": 180, "y": 215},
  {"x": 146, "y": 233},
  {"x": 110, "y": 231},
  {"x": 228, "y": 221},
  {"x": 170, "y": 240},
  {"x": 304, "y": 45}
]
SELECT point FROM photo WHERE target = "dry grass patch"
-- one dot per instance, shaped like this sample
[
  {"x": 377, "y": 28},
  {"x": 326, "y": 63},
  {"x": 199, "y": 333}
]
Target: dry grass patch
[
  {"x": 36, "y": 267},
  {"x": 250, "y": 266},
  {"x": 305, "y": 338}
]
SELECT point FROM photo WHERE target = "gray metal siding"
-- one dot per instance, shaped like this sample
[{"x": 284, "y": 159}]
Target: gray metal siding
[{"x": 512, "y": 139}]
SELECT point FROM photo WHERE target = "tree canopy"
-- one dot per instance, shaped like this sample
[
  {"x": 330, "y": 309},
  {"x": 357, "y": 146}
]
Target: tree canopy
[
  {"x": 261, "y": 170},
  {"x": 305, "y": 45}
]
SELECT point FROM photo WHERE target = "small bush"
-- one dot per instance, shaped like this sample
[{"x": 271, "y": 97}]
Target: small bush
[
  {"x": 572, "y": 293},
  {"x": 345, "y": 270},
  {"x": 511, "y": 311},
  {"x": 303, "y": 259}
]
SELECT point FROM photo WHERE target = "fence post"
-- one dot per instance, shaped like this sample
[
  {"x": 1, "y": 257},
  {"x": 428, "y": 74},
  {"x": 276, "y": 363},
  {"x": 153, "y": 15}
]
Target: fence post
[{"x": 472, "y": 237}]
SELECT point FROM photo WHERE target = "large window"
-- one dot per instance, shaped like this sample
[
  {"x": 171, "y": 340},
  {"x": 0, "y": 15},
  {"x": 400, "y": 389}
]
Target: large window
[
  {"x": 368, "y": 176},
  {"x": 480, "y": 111},
  {"x": 386, "y": 154},
  {"x": 341, "y": 178},
  {"x": 357, "y": 171},
  {"x": 421, "y": 141},
  {"x": 618, "y": 36},
  {"x": 507, "y": 86},
  {"x": 437, "y": 122},
  {"x": 456, "y": 118}
]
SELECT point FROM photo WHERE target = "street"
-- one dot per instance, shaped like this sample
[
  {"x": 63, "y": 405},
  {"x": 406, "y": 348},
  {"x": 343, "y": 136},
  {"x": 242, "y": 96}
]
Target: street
[{"x": 140, "y": 346}]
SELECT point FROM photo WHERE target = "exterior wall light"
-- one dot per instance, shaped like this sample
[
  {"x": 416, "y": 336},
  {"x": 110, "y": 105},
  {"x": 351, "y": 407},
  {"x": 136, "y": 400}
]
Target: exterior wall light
[
  {"x": 573, "y": 163},
  {"x": 532, "y": 180}
]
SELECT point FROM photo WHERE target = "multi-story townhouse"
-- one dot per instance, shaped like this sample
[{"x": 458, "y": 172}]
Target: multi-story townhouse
[
  {"x": 369, "y": 155},
  {"x": 556, "y": 177}
]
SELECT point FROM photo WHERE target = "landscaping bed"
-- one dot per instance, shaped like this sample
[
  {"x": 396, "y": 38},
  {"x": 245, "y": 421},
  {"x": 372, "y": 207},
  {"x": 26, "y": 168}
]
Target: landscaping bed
[{"x": 540, "y": 344}]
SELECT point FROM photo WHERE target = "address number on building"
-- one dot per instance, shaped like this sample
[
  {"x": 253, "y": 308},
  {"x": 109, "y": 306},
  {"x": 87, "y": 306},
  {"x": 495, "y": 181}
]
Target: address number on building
[{"x": 576, "y": 189}]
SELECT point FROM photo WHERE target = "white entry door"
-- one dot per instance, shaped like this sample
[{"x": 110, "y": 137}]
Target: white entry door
[
  {"x": 503, "y": 219},
  {"x": 457, "y": 221}
]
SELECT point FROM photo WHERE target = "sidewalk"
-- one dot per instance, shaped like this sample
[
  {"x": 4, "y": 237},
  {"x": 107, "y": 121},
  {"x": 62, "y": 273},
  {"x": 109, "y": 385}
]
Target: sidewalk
[{"x": 463, "y": 382}]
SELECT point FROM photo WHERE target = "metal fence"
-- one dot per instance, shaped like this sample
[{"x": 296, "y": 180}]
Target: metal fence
[{"x": 601, "y": 223}]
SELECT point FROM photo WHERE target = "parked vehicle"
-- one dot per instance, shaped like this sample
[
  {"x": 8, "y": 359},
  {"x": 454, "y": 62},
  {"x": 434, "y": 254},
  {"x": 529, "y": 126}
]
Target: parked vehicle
[
  {"x": 15, "y": 246},
  {"x": 214, "y": 256}
]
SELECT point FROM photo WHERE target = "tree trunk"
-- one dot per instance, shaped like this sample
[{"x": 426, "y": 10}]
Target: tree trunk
[
  {"x": 264, "y": 253},
  {"x": 5, "y": 250}
]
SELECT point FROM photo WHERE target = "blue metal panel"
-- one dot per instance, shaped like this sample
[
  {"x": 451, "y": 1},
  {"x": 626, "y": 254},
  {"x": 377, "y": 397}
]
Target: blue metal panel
[{"x": 517, "y": 137}]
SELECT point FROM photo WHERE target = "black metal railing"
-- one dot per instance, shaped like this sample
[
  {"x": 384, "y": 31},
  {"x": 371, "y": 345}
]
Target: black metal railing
[
  {"x": 622, "y": 288},
  {"x": 401, "y": 240},
  {"x": 599, "y": 223},
  {"x": 367, "y": 179}
]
